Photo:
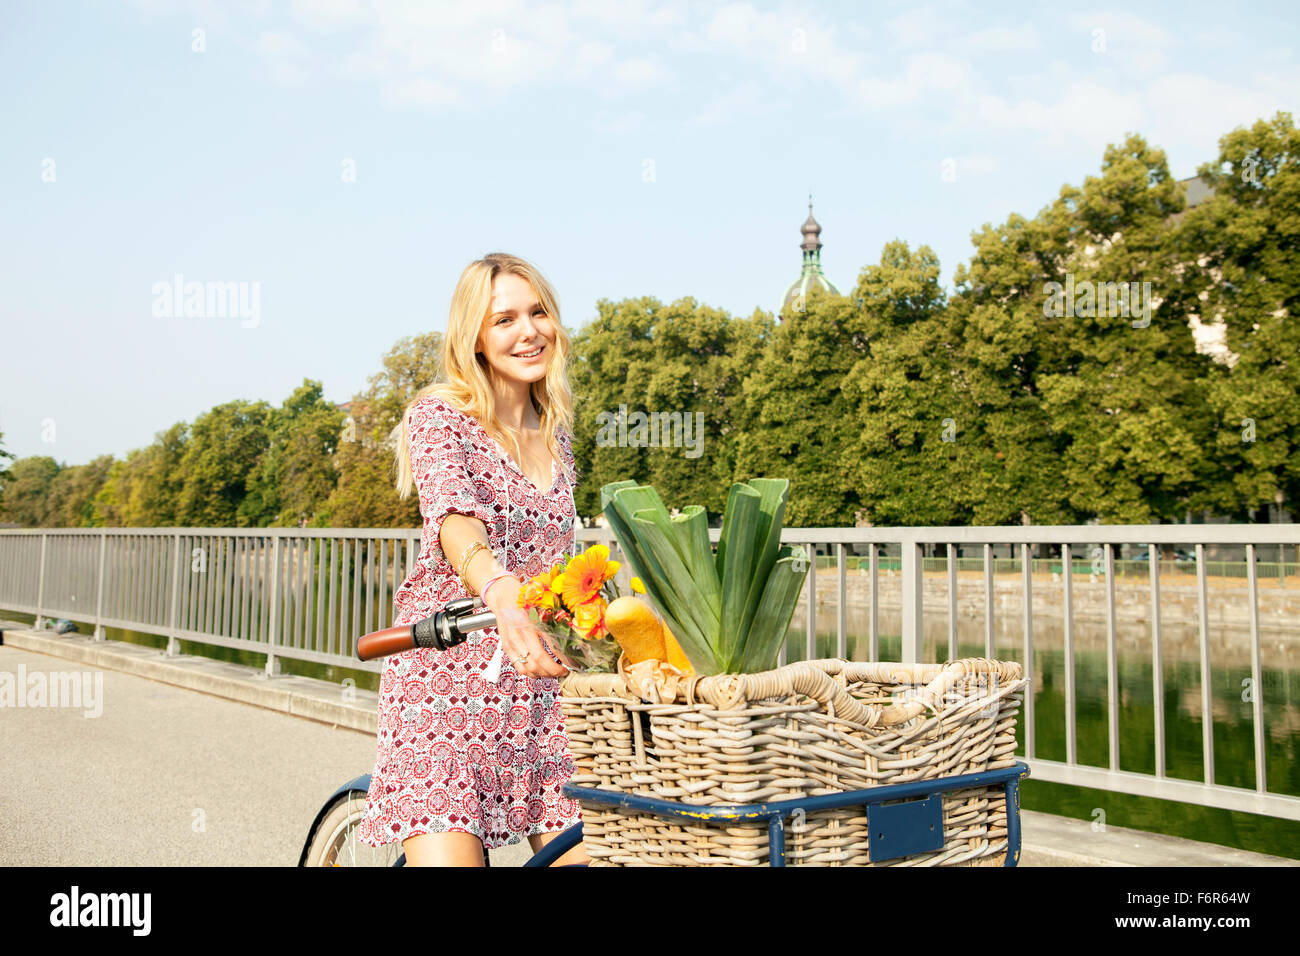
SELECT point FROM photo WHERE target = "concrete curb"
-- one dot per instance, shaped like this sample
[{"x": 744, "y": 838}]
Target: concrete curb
[
  {"x": 1052, "y": 840},
  {"x": 348, "y": 707},
  {"x": 1047, "y": 839}
]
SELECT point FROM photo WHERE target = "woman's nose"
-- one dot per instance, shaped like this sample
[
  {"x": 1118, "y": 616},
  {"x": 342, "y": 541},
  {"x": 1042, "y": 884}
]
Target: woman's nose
[{"x": 528, "y": 329}]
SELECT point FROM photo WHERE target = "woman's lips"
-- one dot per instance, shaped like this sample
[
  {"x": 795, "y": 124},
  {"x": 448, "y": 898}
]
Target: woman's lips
[{"x": 531, "y": 358}]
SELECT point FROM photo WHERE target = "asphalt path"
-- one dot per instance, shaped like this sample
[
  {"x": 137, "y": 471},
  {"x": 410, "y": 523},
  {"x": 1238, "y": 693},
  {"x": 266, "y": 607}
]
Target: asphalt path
[{"x": 165, "y": 776}]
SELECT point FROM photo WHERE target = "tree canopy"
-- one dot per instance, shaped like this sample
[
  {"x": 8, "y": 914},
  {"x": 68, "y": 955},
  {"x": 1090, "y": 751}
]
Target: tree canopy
[{"x": 1059, "y": 381}]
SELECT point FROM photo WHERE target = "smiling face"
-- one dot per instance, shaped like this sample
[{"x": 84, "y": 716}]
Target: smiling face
[{"x": 518, "y": 336}]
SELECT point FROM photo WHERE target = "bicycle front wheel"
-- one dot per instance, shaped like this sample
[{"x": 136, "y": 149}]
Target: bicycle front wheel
[{"x": 337, "y": 841}]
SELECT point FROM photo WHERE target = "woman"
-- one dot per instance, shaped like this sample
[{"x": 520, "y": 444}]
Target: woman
[{"x": 472, "y": 752}]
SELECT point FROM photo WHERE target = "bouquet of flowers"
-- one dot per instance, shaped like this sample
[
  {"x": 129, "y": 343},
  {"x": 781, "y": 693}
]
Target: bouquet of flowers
[{"x": 568, "y": 602}]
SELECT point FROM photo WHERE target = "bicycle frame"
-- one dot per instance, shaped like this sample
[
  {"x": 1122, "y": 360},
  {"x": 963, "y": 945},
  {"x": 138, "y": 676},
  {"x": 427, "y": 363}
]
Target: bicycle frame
[
  {"x": 905, "y": 818},
  {"x": 898, "y": 828}
]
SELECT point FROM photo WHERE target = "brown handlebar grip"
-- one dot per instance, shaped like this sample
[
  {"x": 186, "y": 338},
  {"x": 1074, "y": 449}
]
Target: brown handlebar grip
[{"x": 391, "y": 640}]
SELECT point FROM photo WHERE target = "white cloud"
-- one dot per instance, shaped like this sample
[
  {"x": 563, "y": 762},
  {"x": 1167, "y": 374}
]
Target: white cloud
[
  {"x": 446, "y": 52},
  {"x": 1084, "y": 113},
  {"x": 937, "y": 69},
  {"x": 919, "y": 27},
  {"x": 631, "y": 17},
  {"x": 1133, "y": 43},
  {"x": 787, "y": 44},
  {"x": 629, "y": 122},
  {"x": 1189, "y": 112},
  {"x": 1124, "y": 28},
  {"x": 977, "y": 164},
  {"x": 285, "y": 56},
  {"x": 744, "y": 99},
  {"x": 924, "y": 74},
  {"x": 1023, "y": 38},
  {"x": 640, "y": 73},
  {"x": 330, "y": 16}
]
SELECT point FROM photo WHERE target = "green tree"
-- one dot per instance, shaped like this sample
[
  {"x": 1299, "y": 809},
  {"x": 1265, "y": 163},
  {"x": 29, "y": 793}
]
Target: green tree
[
  {"x": 365, "y": 495},
  {"x": 296, "y": 475},
  {"x": 1125, "y": 396},
  {"x": 682, "y": 362},
  {"x": 1003, "y": 342},
  {"x": 5, "y": 456},
  {"x": 143, "y": 490},
  {"x": 73, "y": 491},
  {"x": 797, "y": 422},
  {"x": 26, "y": 499},
  {"x": 910, "y": 460},
  {"x": 225, "y": 446},
  {"x": 1240, "y": 252}
]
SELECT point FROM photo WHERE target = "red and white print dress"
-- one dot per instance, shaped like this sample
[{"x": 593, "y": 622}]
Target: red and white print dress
[{"x": 455, "y": 750}]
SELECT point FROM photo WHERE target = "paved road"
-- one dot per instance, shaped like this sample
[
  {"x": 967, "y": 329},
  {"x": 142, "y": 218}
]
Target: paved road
[
  {"x": 165, "y": 776},
  {"x": 126, "y": 787}
]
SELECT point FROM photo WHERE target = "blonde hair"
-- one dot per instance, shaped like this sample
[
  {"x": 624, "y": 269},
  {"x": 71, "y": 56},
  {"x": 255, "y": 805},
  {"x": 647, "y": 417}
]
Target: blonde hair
[{"x": 464, "y": 376}]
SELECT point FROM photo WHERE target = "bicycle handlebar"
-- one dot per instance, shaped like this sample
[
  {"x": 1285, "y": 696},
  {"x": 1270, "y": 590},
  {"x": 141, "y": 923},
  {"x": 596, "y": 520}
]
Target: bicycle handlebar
[{"x": 445, "y": 629}]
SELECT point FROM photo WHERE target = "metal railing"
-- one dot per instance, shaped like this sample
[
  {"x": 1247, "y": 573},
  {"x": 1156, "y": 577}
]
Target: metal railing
[{"x": 309, "y": 594}]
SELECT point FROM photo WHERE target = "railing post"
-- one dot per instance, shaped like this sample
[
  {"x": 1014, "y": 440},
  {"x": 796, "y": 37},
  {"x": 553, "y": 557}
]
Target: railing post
[
  {"x": 1027, "y": 577},
  {"x": 99, "y": 634},
  {"x": 1256, "y": 674},
  {"x": 1157, "y": 658},
  {"x": 273, "y": 634},
  {"x": 40, "y": 589},
  {"x": 913, "y": 598},
  {"x": 810, "y": 588},
  {"x": 841, "y": 637},
  {"x": 174, "y": 645}
]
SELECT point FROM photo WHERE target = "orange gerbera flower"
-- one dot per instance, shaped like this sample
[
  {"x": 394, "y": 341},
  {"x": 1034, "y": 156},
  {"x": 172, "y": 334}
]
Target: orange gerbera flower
[
  {"x": 586, "y": 573},
  {"x": 538, "y": 592}
]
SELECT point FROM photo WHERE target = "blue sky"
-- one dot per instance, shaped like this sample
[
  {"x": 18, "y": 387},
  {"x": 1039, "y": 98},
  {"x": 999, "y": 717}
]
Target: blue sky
[{"x": 348, "y": 159}]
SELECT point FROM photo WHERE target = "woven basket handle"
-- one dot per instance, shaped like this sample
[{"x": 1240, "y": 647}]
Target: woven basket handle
[
  {"x": 939, "y": 680},
  {"x": 815, "y": 679},
  {"x": 731, "y": 691}
]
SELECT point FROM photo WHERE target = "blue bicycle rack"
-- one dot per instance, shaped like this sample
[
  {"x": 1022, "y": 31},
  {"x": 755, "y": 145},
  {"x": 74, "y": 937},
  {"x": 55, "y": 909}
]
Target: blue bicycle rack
[{"x": 903, "y": 818}]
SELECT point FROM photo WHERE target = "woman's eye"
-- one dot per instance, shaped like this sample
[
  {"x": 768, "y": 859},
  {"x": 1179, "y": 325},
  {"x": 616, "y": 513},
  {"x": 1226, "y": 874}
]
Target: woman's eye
[{"x": 506, "y": 318}]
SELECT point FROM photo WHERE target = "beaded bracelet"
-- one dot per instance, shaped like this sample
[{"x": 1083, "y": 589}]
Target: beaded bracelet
[{"x": 493, "y": 580}]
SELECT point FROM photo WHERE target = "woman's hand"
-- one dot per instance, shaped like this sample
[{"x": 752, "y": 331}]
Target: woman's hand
[{"x": 520, "y": 637}]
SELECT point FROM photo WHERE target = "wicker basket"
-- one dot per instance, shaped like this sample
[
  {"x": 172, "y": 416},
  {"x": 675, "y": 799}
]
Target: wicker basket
[{"x": 810, "y": 728}]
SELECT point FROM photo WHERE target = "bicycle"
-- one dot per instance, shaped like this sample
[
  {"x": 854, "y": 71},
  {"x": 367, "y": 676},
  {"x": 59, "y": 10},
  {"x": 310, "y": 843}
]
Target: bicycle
[
  {"x": 905, "y": 819},
  {"x": 332, "y": 839}
]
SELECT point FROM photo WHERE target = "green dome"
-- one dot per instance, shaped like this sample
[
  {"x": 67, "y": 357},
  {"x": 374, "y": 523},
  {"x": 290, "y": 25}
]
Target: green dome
[{"x": 811, "y": 275}]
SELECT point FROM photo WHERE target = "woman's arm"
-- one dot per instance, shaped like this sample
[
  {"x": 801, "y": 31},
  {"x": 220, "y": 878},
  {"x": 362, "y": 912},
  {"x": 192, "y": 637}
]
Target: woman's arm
[
  {"x": 518, "y": 634},
  {"x": 458, "y": 532}
]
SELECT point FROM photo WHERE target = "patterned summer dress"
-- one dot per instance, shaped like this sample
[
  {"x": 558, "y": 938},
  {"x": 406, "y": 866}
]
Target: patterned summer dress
[{"x": 456, "y": 750}]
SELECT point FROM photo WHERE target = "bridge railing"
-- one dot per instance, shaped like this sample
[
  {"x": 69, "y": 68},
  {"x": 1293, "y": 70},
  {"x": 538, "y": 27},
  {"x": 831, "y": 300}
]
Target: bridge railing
[{"x": 308, "y": 594}]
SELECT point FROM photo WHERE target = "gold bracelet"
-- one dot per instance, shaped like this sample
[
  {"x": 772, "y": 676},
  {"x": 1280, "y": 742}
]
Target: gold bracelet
[
  {"x": 465, "y": 559},
  {"x": 469, "y": 547}
]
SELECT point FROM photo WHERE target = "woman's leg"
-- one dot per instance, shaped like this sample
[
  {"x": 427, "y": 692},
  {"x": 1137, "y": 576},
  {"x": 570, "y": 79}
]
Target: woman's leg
[
  {"x": 575, "y": 855},
  {"x": 452, "y": 848}
]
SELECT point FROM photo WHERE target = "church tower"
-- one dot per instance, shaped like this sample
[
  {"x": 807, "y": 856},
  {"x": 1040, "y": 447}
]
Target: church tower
[{"x": 796, "y": 295}]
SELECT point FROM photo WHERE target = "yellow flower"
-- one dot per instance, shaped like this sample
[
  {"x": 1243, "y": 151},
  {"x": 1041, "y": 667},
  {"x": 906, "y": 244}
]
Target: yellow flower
[
  {"x": 638, "y": 587},
  {"x": 589, "y": 619}
]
